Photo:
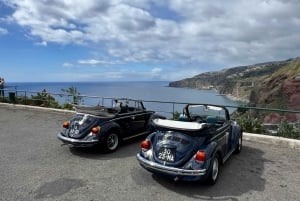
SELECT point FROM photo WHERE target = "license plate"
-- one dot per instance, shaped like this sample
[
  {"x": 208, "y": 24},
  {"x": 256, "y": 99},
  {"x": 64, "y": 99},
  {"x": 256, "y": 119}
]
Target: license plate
[
  {"x": 166, "y": 154},
  {"x": 74, "y": 131}
]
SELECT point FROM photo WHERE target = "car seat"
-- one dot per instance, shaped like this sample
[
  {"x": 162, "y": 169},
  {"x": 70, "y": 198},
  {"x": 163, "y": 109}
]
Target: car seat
[
  {"x": 182, "y": 117},
  {"x": 211, "y": 119}
]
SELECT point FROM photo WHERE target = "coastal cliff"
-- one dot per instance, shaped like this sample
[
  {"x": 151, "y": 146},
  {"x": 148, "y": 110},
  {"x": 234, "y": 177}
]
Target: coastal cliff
[{"x": 272, "y": 84}]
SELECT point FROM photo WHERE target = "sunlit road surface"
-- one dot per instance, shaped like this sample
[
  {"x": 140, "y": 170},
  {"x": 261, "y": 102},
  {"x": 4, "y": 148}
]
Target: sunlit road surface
[{"x": 35, "y": 166}]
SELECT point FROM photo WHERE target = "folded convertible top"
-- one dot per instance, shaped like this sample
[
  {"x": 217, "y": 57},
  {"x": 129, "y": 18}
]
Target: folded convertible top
[
  {"x": 179, "y": 125},
  {"x": 96, "y": 110}
]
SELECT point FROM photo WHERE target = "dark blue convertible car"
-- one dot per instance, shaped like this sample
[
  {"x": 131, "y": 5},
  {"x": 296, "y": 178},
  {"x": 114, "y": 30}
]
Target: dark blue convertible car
[
  {"x": 192, "y": 147},
  {"x": 105, "y": 127}
]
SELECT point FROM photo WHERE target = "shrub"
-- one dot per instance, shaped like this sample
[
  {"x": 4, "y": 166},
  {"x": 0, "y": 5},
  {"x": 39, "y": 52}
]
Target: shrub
[
  {"x": 176, "y": 115},
  {"x": 250, "y": 124},
  {"x": 288, "y": 131},
  {"x": 67, "y": 106},
  {"x": 44, "y": 99}
]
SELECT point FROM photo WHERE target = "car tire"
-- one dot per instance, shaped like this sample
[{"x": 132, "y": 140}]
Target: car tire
[
  {"x": 239, "y": 145},
  {"x": 214, "y": 170},
  {"x": 111, "y": 142}
]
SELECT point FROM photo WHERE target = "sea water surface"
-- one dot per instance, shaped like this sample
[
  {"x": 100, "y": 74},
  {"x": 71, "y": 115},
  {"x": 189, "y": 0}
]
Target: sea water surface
[{"x": 149, "y": 91}]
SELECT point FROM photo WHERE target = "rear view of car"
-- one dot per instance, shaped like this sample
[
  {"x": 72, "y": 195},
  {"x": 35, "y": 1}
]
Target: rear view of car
[
  {"x": 106, "y": 127},
  {"x": 174, "y": 153},
  {"x": 81, "y": 131},
  {"x": 192, "y": 148}
]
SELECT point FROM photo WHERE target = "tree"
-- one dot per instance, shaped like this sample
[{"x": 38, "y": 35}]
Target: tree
[
  {"x": 43, "y": 98},
  {"x": 72, "y": 92}
]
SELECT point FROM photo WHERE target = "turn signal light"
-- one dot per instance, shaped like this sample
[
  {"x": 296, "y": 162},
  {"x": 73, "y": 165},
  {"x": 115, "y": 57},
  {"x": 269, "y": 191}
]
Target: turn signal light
[
  {"x": 95, "y": 130},
  {"x": 200, "y": 156},
  {"x": 146, "y": 145},
  {"x": 66, "y": 124}
]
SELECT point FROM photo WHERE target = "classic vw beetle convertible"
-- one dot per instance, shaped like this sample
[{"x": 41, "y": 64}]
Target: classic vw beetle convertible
[
  {"x": 192, "y": 147},
  {"x": 106, "y": 126}
]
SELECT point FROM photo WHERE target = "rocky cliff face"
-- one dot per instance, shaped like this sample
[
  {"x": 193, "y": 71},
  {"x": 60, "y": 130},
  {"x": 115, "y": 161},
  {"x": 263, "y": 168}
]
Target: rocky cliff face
[
  {"x": 281, "y": 90},
  {"x": 271, "y": 84},
  {"x": 225, "y": 80}
]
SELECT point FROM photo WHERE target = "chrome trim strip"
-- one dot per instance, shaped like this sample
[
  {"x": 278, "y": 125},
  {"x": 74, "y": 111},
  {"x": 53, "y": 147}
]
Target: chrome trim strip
[
  {"x": 92, "y": 115},
  {"x": 143, "y": 133},
  {"x": 220, "y": 134},
  {"x": 168, "y": 170},
  {"x": 75, "y": 141},
  {"x": 128, "y": 116}
]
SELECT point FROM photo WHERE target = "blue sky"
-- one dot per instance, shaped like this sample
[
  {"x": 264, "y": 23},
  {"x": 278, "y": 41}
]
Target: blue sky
[{"x": 141, "y": 40}]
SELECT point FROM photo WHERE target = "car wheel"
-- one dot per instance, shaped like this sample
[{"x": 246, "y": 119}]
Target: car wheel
[
  {"x": 214, "y": 170},
  {"x": 239, "y": 145},
  {"x": 111, "y": 142}
]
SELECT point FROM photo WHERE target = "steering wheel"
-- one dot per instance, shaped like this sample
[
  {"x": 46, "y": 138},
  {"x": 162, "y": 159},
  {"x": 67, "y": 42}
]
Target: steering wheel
[{"x": 198, "y": 119}]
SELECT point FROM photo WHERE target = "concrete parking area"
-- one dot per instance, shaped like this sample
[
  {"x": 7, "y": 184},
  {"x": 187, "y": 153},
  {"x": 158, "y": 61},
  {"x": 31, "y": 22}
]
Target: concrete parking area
[{"x": 35, "y": 166}]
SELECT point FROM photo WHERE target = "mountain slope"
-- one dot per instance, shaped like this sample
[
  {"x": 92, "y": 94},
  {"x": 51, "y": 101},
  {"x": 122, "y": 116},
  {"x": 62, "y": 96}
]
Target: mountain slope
[{"x": 271, "y": 84}]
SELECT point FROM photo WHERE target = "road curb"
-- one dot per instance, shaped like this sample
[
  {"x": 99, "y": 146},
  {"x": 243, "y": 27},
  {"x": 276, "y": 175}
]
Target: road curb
[
  {"x": 274, "y": 140},
  {"x": 36, "y": 108}
]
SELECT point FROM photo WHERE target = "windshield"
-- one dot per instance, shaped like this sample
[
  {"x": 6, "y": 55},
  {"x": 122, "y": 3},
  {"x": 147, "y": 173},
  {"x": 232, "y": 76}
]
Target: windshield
[
  {"x": 128, "y": 103},
  {"x": 206, "y": 110}
]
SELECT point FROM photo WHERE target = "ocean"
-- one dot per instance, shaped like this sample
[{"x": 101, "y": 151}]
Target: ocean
[{"x": 149, "y": 91}]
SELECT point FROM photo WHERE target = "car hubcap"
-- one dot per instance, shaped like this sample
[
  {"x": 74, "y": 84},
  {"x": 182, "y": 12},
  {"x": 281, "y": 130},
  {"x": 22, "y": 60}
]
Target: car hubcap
[
  {"x": 215, "y": 169},
  {"x": 112, "y": 141}
]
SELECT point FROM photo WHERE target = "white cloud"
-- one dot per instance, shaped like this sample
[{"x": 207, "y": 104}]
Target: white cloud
[
  {"x": 43, "y": 43},
  {"x": 97, "y": 62},
  {"x": 3, "y": 31},
  {"x": 191, "y": 34},
  {"x": 121, "y": 75},
  {"x": 67, "y": 64},
  {"x": 156, "y": 70}
]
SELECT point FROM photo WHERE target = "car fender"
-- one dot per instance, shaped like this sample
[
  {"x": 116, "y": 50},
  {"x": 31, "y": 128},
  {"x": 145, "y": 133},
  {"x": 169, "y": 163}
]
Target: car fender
[
  {"x": 213, "y": 148},
  {"x": 236, "y": 132},
  {"x": 210, "y": 149},
  {"x": 107, "y": 127}
]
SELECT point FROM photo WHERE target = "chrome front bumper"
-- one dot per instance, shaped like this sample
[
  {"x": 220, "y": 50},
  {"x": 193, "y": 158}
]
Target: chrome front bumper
[
  {"x": 76, "y": 142},
  {"x": 159, "y": 168}
]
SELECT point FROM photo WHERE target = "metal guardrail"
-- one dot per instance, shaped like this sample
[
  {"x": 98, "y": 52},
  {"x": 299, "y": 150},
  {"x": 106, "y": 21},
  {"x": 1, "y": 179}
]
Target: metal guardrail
[
  {"x": 164, "y": 107},
  {"x": 266, "y": 109},
  {"x": 13, "y": 95}
]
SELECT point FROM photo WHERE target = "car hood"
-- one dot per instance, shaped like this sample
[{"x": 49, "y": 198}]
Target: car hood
[{"x": 174, "y": 148}]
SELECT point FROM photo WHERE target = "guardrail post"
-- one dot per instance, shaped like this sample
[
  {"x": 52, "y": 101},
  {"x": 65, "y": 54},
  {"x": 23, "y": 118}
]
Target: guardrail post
[
  {"x": 12, "y": 97},
  {"x": 173, "y": 113}
]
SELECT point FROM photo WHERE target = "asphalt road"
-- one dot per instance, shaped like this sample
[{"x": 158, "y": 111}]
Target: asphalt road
[{"x": 34, "y": 166}]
